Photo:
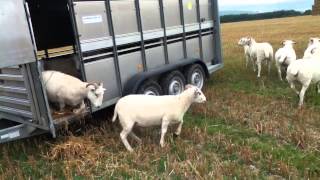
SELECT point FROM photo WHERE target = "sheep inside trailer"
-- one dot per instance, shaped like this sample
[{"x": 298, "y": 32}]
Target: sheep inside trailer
[{"x": 152, "y": 47}]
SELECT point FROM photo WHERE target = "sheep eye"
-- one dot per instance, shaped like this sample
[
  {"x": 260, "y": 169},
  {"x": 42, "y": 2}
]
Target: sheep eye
[{"x": 197, "y": 93}]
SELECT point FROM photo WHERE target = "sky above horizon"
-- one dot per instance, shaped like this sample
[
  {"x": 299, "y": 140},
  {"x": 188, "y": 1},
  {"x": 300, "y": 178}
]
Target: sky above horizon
[{"x": 265, "y": 5}]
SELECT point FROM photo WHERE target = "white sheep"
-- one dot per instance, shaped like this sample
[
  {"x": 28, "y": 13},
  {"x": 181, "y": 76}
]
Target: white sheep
[
  {"x": 313, "y": 46},
  {"x": 243, "y": 42},
  {"x": 146, "y": 111},
  {"x": 68, "y": 90},
  {"x": 260, "y": 52},
  {"x": 306, "y": 72},
  {"x": 285, "y": 56}
]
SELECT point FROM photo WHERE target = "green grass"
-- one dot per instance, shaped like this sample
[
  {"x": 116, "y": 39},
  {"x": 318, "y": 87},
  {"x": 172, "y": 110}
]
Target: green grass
[{"x": 264, "y": 149}]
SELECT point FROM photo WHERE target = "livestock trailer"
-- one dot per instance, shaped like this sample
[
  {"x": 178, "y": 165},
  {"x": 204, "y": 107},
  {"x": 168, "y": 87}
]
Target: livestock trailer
[{"x": 133, "y": 46}]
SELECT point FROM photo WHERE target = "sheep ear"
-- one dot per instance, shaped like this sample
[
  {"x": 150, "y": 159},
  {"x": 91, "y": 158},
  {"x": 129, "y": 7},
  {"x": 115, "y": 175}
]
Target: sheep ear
[
  {"x": 294, "y": 42},
  {"x": 104, "y": 89},
  {"x": 282, "y": 42},
  {"x": 311, "y": 40}
]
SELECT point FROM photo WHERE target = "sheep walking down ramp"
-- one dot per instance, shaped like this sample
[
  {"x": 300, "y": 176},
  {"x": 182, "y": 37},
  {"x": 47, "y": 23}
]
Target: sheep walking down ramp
[
  {"x": 146, "y": 111},
  {"x": 68, "y": 90}
]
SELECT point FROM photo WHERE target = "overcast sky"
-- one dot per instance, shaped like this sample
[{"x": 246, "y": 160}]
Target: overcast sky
[{"x": 265, "y": 5}]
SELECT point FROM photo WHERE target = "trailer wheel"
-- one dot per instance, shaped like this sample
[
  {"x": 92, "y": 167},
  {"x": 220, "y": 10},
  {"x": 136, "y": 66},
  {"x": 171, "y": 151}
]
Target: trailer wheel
[
  {"x": 195, "y": 75},
  {"x": 150, "y": 88},
  {"x": 173, "y": 83}
]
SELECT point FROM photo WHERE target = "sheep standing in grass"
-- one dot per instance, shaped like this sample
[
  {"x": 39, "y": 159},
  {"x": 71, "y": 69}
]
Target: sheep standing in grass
[
  {"x": 306, "y": 72},
  {"x": 259, "y": 53},
  {"x": 146, "y": 111},
  {"x": 285, "y": 56},
  {"x": 313, "y": 47},
  {"x": 243, "y": 42},
  {"x": 68, "y": 90}
]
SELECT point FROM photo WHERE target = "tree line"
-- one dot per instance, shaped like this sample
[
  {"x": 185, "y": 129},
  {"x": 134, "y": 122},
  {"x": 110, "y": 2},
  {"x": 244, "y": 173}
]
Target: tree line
[{"x": 259, "y": 16}]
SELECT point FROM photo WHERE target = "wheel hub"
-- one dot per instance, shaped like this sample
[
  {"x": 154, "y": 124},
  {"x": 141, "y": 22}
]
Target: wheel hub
[
  {"x": 197, "y": 79},
  {"x": 175, "y": 88},
  {"x": 150, "y": 93}
]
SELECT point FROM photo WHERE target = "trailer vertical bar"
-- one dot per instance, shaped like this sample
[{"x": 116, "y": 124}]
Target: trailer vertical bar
[
  {"x": 200, "y": 30},
  {"x": 115, "y": 48},
  {"x": 184, "y": 29},
  {"x": 163, "y": 24},
  {"x": 76, "y": 35},
  {"x": 140, "y": 29},
  {"x": 217, "y": 32}
]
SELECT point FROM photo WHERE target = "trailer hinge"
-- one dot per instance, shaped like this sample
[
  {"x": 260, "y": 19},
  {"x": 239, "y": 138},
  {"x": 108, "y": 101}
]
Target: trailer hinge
[{"x": 214, "y": 30}]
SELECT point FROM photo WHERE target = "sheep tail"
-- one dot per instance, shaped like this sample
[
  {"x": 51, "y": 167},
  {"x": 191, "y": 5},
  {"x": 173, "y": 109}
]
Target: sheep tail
[{"x": 115, "y": 115}]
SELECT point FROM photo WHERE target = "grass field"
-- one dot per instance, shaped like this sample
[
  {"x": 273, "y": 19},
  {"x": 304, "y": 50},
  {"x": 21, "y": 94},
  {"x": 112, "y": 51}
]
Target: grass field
[{"x": 248, "y": 129}]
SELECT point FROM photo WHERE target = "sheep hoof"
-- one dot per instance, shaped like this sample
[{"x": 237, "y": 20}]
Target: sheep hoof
[{"x": 131, "y": 150}]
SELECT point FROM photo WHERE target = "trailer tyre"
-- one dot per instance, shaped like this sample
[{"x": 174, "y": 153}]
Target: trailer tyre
[
  {"x": 150, "y": 88},
  {"x": 173, "y": 83},
  {"x": 195, "y": 75}
]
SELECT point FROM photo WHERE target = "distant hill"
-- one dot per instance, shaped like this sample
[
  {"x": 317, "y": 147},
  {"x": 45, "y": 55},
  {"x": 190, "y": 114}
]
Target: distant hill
[
  {"x": 257, "y": 16},
  {"x": 234, "y": 12}
]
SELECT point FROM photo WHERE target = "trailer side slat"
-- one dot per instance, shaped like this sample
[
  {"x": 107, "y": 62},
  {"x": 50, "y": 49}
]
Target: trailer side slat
[
  {"x": 18, "y": 112},
  {"x": 13, "y": 89},
  {"x": 9, "y": 77},
  {"x": 23, "y": 102}
]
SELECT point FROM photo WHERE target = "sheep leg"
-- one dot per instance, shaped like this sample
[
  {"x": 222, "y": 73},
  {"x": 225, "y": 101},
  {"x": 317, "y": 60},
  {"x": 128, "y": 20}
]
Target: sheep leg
[
  {"x": 247, "y": 61},
  {"x": 259, "y": 69},
  {"x": 80, "y": 109},
  {"x": 280, "y": 73},
  {"x": 135, "y": 137},
  {"x": 254, "y": 66},
  {"x": 164, "y": 128},
  {"x": 302, "y": 93},
  {"x": 178, "y": 131},
  {"x": 294, "y": 88},
  {"x": 124, "y": 134},
  {"x": 62, "y": 105},
  {"x": 269, "y": 67}
]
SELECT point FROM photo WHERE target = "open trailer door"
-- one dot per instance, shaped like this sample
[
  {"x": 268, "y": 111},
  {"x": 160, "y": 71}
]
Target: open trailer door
[
  {"x": 21, "y": 98},
  {"x": 16, "y": 40}
]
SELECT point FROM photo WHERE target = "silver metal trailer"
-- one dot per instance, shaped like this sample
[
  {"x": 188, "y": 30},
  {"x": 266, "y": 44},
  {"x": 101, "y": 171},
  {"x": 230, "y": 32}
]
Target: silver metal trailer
[{"x": 133, "y": 46}]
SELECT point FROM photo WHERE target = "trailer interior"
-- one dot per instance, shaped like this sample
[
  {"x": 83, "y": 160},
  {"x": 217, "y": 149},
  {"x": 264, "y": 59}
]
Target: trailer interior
[{"x": 55, "y": 42}]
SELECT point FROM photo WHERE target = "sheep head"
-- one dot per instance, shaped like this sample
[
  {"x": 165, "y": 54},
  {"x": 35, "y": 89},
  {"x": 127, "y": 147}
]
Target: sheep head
[
  {"x": 198, "y": 96},
  {"x": 244, "y": 41},
  {"x": 95, "y": 93},
  {"x": 314, "y": 41},
  {"x": 288, "y": 42}
]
